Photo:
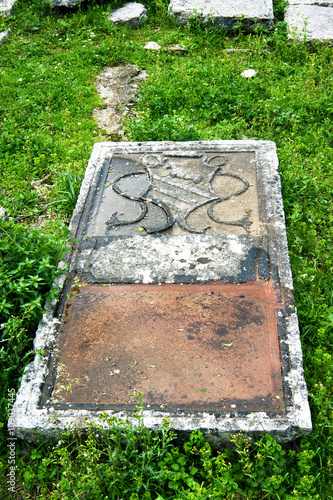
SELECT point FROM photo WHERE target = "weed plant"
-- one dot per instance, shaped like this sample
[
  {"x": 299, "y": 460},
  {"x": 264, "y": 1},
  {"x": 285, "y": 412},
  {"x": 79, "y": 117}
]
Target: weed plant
[{"x": 47, "y": 71}]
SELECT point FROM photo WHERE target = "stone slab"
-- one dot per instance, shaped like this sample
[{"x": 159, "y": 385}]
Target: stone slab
[
  {"x": 7, "y": 7},
  {"x": 173, "y": 276},
  {"x": 133, "y": 14},
  {"x": 313, "y": 21},
  {"x": 223, "y": 13}
]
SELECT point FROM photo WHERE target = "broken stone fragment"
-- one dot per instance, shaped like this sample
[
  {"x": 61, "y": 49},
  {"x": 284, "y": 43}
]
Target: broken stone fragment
[
  {"x": 177, "y": 48},
  {"x": 132, "y": 14},
  {"x": 235, "y": 51},
  {"x": 3, "y": 215},
  {"x": 152, "y": 46},
  {"x": 7, "y": 7},
  {"x": 3, "y": 36},
  {"x": 66, "y": 3}
]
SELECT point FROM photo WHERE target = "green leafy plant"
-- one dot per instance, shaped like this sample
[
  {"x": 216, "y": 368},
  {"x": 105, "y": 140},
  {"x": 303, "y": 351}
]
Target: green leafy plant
[
  {"x": 279, "y": 8},
  {"x": 28, "y": 267},
  {"x": 68, "y": 191}
]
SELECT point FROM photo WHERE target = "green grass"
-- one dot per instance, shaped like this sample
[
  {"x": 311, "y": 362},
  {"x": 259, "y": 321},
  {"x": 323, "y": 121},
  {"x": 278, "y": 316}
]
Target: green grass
[{"x": 47, "y": 71}]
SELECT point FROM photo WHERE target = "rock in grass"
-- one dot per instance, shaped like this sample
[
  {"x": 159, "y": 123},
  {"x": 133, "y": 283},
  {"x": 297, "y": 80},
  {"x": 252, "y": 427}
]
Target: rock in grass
[
  {"x": 152, "y": 46},
  {"x": 3, "y": 36},
  {"x": 236, "y": 51},
  {"x": 178, "y": 49},
  {"x": 3, "y": 215},
  {"x": 248, "y": 73},
  {"x": 7, "y": 7},
  {"x": 133, "y": 14}
]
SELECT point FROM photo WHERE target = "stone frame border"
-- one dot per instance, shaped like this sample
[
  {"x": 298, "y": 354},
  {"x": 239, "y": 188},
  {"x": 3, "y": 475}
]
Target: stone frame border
[{"x": 31, "y": 422}]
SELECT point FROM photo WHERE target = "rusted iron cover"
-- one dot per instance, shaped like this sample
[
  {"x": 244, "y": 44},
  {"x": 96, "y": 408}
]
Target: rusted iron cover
[{"x": 209, "y": 346}]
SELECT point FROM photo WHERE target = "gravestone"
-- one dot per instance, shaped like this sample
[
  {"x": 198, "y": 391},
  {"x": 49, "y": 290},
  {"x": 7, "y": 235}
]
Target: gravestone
[
  {"x": 179, "y": 288},
  {"x": 223, "y": 13}
]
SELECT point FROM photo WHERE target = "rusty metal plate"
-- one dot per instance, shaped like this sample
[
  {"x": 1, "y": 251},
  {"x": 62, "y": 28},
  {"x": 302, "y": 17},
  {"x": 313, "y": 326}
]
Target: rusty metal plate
[{"x": 212, "y": 345}]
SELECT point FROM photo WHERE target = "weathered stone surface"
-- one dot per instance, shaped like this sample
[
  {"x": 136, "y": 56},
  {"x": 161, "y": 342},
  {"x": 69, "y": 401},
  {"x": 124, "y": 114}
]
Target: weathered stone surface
[
  {"x": 3, "y": 36},
  {"x": 191, "y": 258},
  {"x": 323, "y": 3},
  {"x": 7, "y": 7},
  {"x": 313, "y": 21},
  {"x": 234, "y": 278},
  {"x": 152, "y": 46},
  {"x": 66, "y": 3},
  {"x": 117, "y": 86},
  {"x": 133, "y": 14},
  {"x": 224, "y": 13}
]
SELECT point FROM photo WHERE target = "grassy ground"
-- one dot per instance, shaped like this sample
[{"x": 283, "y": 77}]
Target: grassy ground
[{"x": 47, "y": 70}]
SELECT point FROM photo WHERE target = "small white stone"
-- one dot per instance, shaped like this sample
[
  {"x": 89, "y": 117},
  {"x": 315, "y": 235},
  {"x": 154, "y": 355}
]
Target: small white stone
[
  {"x": 152, "y": 46},
  {"x": 248, "y": 73}
]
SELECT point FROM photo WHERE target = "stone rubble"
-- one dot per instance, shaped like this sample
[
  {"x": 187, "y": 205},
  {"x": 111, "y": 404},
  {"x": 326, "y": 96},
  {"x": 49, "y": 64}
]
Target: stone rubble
[{"x": 306, "y": 19}]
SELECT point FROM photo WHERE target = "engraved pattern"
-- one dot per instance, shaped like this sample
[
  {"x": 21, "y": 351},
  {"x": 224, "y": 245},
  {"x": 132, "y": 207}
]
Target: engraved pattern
[{"x": 176, "y": 192}]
